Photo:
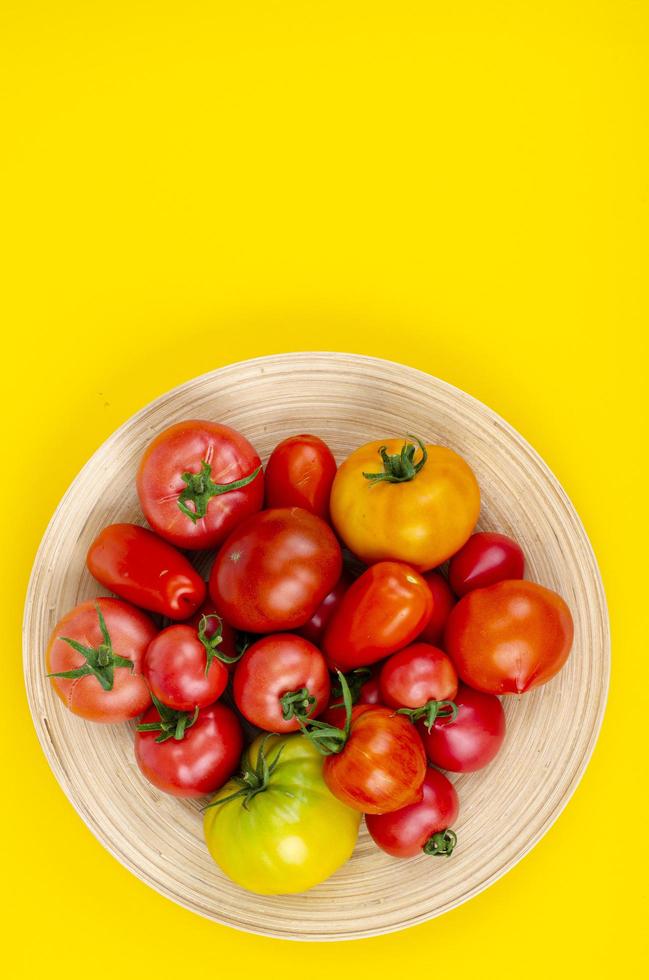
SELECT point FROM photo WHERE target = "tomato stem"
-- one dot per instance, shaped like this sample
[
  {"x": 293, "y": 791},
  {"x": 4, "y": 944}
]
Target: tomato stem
[
  {"x": 400, "y": 467},
  {"x": 252, "y": 780},
  {"x": 355, "y": 679},
  {"x": 172, "y": 723},
  {"x": 430, "y": 712},
  {"x": 211, "y": 643},
  {"x": 200, "y": 488},
  {"x": 297, "y": 704},
  {"x": 328, "y": 739},
  {"x": 441, "y": 844},
  {"x": 100, "y": 661}
]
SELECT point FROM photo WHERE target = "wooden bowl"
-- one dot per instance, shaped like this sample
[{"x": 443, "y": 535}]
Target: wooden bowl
[{"x": 505, "y": 809}]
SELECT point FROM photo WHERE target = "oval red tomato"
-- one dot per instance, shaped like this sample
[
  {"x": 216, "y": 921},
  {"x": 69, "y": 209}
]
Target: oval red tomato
[
  {"x": 299, "y": 473},
  {"x": 443, "y": 602},
  {"x": 509, "y": 637},
  {"x": 280, "y": 681},
  {"x": 183, "y": 668},
  {"x": 197, "y": 480},
  {"x": 139, "y": 566},
  {"x": 473, "y": 739},
  {"x": 417, "y": 675},
  {"x": 422, "y": 826},
  {"x": 94, "y": 660},
  {"x": 485, "y": 559},
  {"x": 275, "y": 569}
]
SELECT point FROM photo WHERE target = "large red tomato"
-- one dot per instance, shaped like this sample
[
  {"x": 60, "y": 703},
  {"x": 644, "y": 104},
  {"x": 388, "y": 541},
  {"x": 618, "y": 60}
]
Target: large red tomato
[
  {"x": 509, "y": 637},
  {"x": 275, "y": 569},
  {"x": 299, "y": 473},
  {"x": 485, "y": 559},
  {"x": 422, "y": 826},
  {"x": 382, "y": 611},
  {"x": 197, "y": 480},
  {"x": 471, "y": 740},
  {"x": 280, "y": 681},
  {"x": 94, "y": 660}
]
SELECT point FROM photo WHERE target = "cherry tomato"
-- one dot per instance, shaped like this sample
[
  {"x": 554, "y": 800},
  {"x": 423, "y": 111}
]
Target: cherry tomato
[
  {"x": 443, "y": 602},
  {"x": 280, "y": 679},
  {"x": 316, "y": 626},
  {"x": 509, "y": 637},
  {"x": 485, "y": 559},
  {"x": 370, "y": 692},
  {"x": 139, "y": 566},
  {"x": 416, "y": 676},
  {"x": 230, "y": 644},
  {"x": 299, "y": 473},
  {"x": 473, "y": 739},
  {"x": 197, "y": 480},
  {"x": 183, "y": 666},
  {"x": 422, "y": 826},
  {"x": 188, "y": 755},
  {"x": 382, "y": 611},
  {"x": 275, "y": 569},
  {"x": 94, "y": 660}
]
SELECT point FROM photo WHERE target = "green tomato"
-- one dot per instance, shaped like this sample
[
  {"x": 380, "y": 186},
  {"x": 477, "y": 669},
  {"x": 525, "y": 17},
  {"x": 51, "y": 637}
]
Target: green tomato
[{"x": 277, "y": 829}]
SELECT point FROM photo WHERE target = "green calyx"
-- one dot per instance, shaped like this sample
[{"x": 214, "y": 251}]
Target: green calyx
[
  {"x": 252, "y": 780},
  {"x": 211, "y": 643},
  {"x": 430, "y": 712},
  {"x": 355, "y": 680},
  {"x": 200, "y": 488},
  {"x": 100, "y": 662},
  {"x": 328, "y": 739},
  {"x": 401, "y": 467},
  {"x": 172, "y": 724},
  {"x": 441, "y": 844},
  {"x": 297, "y": 704}
]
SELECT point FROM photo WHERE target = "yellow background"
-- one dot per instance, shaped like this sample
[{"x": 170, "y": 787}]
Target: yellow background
[{"x": 459, "y": 186}]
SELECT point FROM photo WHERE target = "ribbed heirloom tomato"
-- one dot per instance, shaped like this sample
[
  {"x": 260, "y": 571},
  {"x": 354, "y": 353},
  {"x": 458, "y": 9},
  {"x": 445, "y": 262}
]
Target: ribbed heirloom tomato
[
  {"x": 299, "y": 473},
  {"x": 423, "y": 826}
]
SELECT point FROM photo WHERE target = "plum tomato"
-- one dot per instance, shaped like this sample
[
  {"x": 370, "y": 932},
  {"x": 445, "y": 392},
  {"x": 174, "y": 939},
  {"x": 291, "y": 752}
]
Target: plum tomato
[
  {"x": 299, "y": 473},
  {"x": 485, "y": 559}
]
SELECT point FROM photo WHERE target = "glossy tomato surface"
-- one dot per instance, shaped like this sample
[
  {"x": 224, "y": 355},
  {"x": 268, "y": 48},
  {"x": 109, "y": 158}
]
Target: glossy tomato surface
[
  {"x": 416, "y": 675},
  {"x": 275, "y": 569},
  {"x": 299, "y": 473},
  {"x": 443, "y": 602},
  {"x": 471, "y": 741},
  {"x": 177, "y": 672},
  {"x": 509, "y": 637},
  {"x": 382, "y": 611},
  {"x": 485, "y": 559},
  {"x": 197, "y": 480},
  {"x": 112, "y": 691},
  {"x": 404, "y": 833}
]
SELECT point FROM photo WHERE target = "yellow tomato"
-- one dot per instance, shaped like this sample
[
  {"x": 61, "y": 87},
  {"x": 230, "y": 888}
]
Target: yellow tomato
[
  {"x": 278, "y": 829},
  {"x": 395, "y": 500}
]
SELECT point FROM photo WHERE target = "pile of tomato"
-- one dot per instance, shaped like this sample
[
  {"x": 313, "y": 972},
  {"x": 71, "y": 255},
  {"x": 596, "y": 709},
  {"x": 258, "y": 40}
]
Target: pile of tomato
[{"x": 329, "y": 668}]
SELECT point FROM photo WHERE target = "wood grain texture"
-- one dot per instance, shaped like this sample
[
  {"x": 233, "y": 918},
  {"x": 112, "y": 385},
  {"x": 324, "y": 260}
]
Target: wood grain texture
[{"x": 505, "y": 809}]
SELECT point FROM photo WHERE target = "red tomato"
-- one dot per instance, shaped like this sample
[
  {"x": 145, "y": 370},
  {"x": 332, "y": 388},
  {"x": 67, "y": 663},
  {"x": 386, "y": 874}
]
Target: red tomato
[
  {"x": 381, "y": 612},
  {"x": 183, "y": 666},
  {"x": 417, "y": 676},
  {"x": 275, "y": 569},
  {"x": 188, "y": 755},
  {"x": 421, "y": 826},
  {"x": 280, "y": 681},
  {"x": 509, "y": 637},
  {"x": 139, "y": 566},
  {"x": 316, "y": 626},
  {"x": 485, "y": 559},
  {"x": 443, "y": 602},
  {"x": 299, "y": 473},
  {"x": 197, "y": 480},
  {"x": 370, "y": 692},
  {"x": 473, "y": 739},
  {"x": 215, "y": 623},
  {"x": 94, "y": 660}
]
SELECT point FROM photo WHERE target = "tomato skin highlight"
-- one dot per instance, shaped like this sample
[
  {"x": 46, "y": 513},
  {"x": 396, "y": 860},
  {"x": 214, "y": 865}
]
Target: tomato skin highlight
[
  {"x": 509, "y": 637},
  {"x": 130, "y": 631},
  {"x": 299, "y": 473},
  {"x": 471, "y": 741},
  {"x": 382, "y": 611},
  {"x": 272, "y": 667},
  {"x": 174, "y": 668},
  {"x": 415, "y": 675},
  {"x": 422, "y": 521},
  {"x": 404, "y": 832},
  {"x": 314, "y": 629},
  {"x": 485, "y": 559},
  {"x": 182, "y": 448},
  {"x": 443, "y": 602},
  {"x": 274, "y": 570},
  {"x": 198, "y": 764},
  {"x": 139, "y": 566},
  {"x": 382, "y": 765}
]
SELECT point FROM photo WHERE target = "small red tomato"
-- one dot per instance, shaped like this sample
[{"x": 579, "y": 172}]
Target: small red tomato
[
  {"x": 370, "y": 692},
  {"x": 470, "y": 741},
  {"x": 188, "y": 755},
  {"x": 139, "y": 566},
  {"x": 94, "y": 660},
  {"x": 485, "y": 559},
  {"x": 509, "y": 637},
  {"x": 275, "y": 569},
  {"x": 299, "y": 473},
  {"x": 213, "y": 625},
  {"x": 382, "y": 611},
  {"x": 422, "y": 826},
  {"x": 315, "y": 628},
  {"x": 280, "y": 681},
  {"x": 417, "y": 676},
  {"x": 443, "y": 602},
  {"x": 197, "y": 481}
]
